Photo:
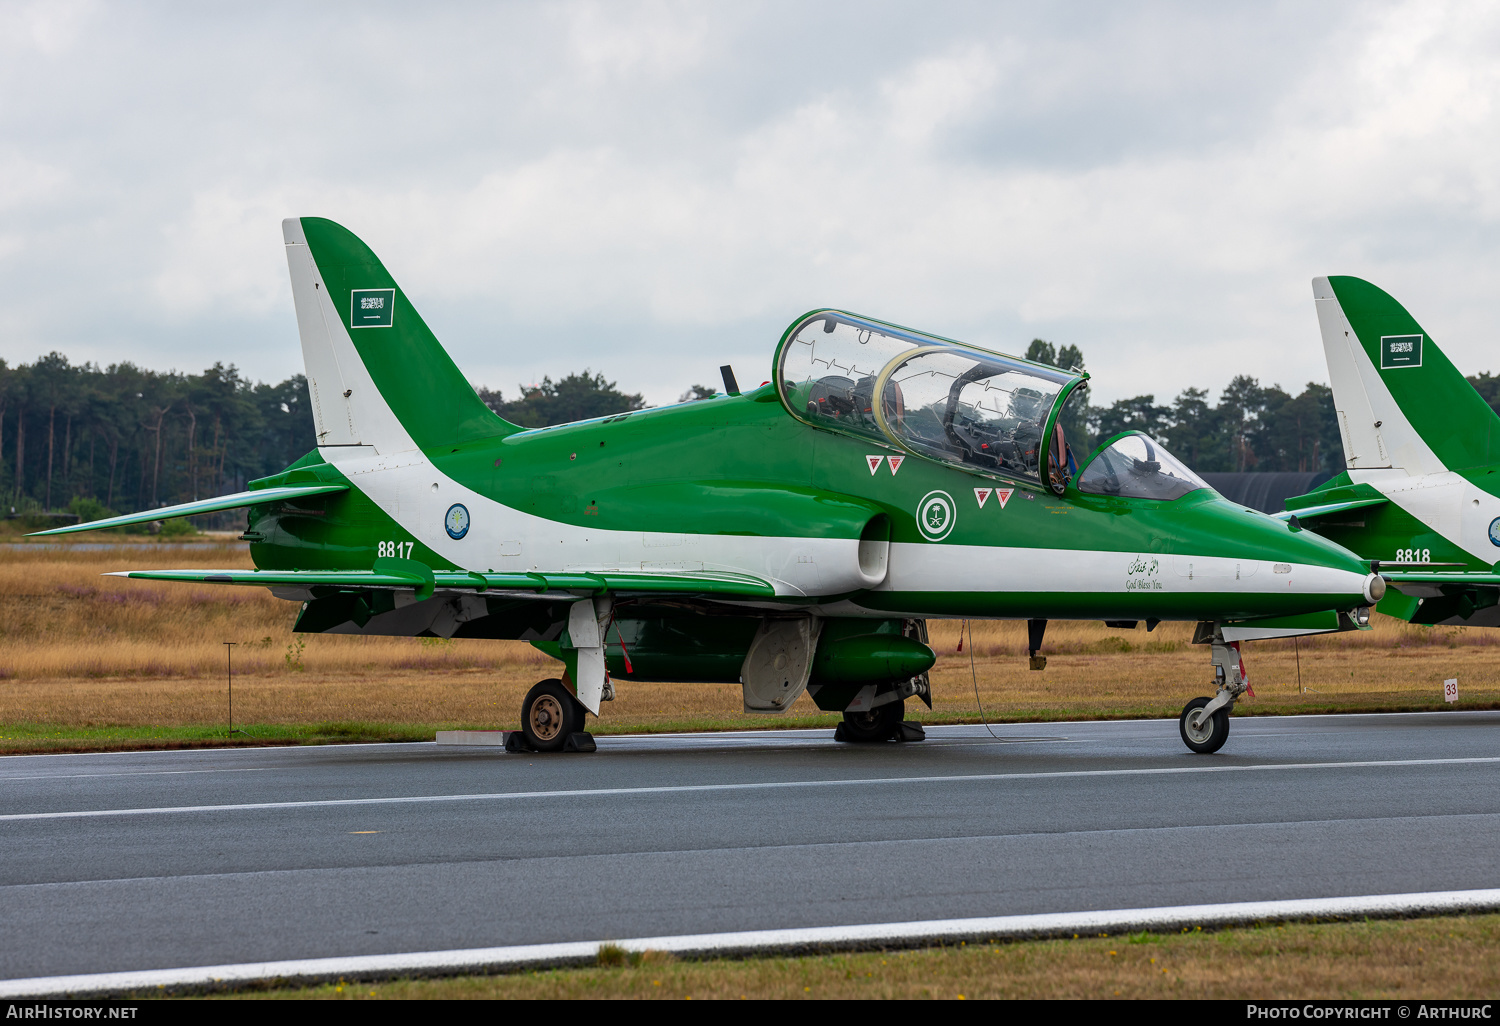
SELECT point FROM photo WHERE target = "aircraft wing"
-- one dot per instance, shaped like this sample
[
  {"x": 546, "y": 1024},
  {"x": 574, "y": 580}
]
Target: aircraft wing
[
  {"x": 401, "y": 574},
  {"x": 238, "y": 500},
  {"x": 1312, "y": 512}
]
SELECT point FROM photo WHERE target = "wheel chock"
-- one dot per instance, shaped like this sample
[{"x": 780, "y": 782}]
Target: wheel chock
[
  {"x": 515, "y": 741},
  {"x": 582, "y": 741},
  {"x": 910, "y": 730},
  {"x": 906, "y": 730}
]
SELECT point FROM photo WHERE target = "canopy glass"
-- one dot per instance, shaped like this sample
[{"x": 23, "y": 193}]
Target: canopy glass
[
  {"x": 983, "y": 411},
  {"x": 1134, "y": 466}
]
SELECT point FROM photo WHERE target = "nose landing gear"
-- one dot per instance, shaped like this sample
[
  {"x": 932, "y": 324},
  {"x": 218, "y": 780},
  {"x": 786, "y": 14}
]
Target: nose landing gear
[
  {"x": 1204, "y": 723},
  {"x": 1204, "y": 732}
]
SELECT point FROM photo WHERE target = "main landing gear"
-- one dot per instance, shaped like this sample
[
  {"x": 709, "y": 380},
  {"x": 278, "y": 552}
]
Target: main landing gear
[
  {"x": 1204, "y": 723},
  {"x": 882, "y": 723},
  {"x": 551, "y": 721}
]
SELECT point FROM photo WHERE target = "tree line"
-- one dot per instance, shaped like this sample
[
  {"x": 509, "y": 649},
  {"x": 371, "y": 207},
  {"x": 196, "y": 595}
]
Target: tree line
[
  {"x": 93, "y": 440},
  {"x": 1253, "y": 427},
  {"x": 121, "y": 438},
  {"x": 84, "y": 438}
]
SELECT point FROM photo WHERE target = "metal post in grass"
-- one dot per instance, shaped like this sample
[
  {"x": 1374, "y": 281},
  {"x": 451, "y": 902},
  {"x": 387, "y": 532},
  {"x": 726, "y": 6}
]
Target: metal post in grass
[{"x": 229, "y": 668}]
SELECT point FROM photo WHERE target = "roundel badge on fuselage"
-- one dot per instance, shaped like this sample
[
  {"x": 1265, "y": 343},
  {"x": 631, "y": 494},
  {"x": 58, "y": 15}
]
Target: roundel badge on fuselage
[
  {"x": 457, "y": 521},
  {"x": 936, "y": 514},
  {"x": 1495, "y": 531}
]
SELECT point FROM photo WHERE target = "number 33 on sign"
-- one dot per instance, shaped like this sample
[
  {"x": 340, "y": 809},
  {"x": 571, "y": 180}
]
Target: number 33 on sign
[{"x": 1450, "y": 690}]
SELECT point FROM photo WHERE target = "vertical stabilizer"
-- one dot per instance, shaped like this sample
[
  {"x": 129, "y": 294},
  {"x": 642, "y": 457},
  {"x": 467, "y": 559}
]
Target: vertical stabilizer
[
  {"x": 1401, "y": 404},
  {"x": 376, "y": 374}
]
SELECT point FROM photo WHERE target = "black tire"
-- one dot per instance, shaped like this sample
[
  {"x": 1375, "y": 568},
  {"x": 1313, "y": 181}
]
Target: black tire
[
  {"x": 1204, "y": 742},
  {"x": 549, "y": 714},
  {"x": 877, "y": 724}
]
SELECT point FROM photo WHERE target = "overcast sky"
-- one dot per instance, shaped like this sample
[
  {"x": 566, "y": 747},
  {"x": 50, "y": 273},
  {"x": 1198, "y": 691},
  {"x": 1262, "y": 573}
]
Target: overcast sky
[{"x": 653, "y": 189}]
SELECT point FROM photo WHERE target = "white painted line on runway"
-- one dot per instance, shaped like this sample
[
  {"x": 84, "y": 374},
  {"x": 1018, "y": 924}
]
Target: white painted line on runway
[
  {"x": 769, "y": 785},
  {"x": 1247, "y": 723},
  {"x": 760, "y": 942},
  {"x": 127, "y": 774}
]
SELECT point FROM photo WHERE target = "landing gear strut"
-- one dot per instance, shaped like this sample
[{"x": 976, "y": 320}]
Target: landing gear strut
[{"x": 1204, "y": 723}]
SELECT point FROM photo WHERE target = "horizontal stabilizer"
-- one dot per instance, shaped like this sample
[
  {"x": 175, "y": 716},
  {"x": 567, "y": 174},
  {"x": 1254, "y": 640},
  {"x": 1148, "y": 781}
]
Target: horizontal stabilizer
[
  {"x": 1312, "y": 512},
  {"x": 239, "y": 500},
  {"x": 1483, "y": 579},
  {"x": 566, "y": 586}
]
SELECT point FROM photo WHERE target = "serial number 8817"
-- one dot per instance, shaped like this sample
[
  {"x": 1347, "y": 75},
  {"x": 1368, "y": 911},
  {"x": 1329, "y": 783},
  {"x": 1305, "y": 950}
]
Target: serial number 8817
[{"x": 397, "y": 549}]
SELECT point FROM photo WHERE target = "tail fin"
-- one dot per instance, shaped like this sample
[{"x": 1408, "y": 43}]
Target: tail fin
[
  {"x": 376, "y": 374},
  {"x": 1401, "y": 403}
]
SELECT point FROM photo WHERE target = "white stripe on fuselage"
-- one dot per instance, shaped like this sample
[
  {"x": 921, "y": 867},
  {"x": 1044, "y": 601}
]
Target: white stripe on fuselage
[
  {"x": 416, "y": 495},
  {"x": 980, "y": 568}
]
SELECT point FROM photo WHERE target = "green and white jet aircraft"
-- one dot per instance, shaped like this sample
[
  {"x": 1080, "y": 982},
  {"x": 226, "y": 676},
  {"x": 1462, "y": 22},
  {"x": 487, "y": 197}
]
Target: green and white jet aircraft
[
  {"x": 791, "y": 538},
  {"x": 1421, "y": 495}
]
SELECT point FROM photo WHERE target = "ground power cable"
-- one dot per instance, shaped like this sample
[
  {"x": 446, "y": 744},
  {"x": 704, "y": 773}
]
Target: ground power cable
[{"x": 974, "y": 674}]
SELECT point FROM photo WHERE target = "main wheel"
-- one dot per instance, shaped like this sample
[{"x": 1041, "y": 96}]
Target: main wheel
[
  {"x": 877, "y": 724},
  {"x": 1205, "y": 738},
  {"x": 549, "y": 714}
]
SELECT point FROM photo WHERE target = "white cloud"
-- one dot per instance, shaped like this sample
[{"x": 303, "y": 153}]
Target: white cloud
[
  {"x": 652, "y": 189},
  {"x": 613, "y": 42},
  {"x": 223, "y": 256},
  {"x": 48, "y": 26}
]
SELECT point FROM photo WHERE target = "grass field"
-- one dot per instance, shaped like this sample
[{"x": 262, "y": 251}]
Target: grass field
[
  {"x": 91, "y": 662},
  {"x": 1447, "y": 958},
  {"x": 95, "y": 663}
]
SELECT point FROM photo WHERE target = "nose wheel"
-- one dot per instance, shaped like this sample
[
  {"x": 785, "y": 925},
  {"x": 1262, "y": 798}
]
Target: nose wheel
[{"x": 1204, "y": 733}]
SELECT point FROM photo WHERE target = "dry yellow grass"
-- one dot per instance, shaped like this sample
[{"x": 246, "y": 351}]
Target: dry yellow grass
[
  {"x": 78, "y": 650},
  {"x": 1440, "y": 959}
]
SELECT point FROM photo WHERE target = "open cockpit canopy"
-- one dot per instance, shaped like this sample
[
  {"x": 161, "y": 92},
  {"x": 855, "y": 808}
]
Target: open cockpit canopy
[
  {"x": 980, "y": 410},
  {"x": 1134, "y": 466}
]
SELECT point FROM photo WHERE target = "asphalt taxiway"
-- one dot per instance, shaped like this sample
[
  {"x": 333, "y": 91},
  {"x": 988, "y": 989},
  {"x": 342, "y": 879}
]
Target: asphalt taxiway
[{"x": 154, "y": 860}]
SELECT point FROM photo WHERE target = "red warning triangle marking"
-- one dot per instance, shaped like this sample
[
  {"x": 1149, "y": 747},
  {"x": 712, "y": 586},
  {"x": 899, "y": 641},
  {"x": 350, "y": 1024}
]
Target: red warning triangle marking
[
  {"x": 982, "y": 494},
  {"x": 895, "y": 462},
  {"x": 1002, "y": 495},
  {"x": 874, "y": 462}
]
